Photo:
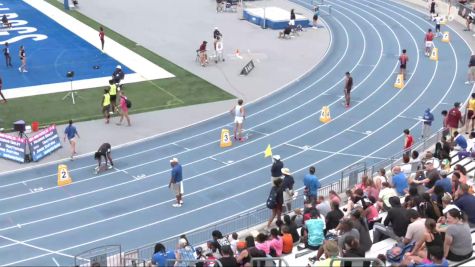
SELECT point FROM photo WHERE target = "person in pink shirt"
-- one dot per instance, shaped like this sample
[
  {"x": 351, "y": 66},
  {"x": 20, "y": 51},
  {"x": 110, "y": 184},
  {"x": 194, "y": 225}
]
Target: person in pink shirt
[
  {"x": 124, "y": 108},
  {"x": 276, "y": 242},
  {"x": 334, "y": 197},
  {"x": 262, "y": 243}
]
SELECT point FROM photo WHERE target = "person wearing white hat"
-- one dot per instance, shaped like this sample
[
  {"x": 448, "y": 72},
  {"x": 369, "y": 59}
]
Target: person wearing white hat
[
  {"x": 118, "y": 75},
  {"x": 216, "y": 36},
  {"x": 288, "y": 188},
  {"x": 276, "y": 169},
  {"x": 176, "y": 182}
]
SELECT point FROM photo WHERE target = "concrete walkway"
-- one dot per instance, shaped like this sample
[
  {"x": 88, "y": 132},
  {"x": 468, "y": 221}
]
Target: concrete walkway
[{"x": 278, "y": 63}]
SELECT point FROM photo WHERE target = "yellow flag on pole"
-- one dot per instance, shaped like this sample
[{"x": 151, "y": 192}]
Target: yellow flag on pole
[{"x": 268, "y": 152}]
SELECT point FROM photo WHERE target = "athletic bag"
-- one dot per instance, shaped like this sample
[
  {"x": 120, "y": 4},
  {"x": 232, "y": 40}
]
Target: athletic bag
[
  {"x": 272, "y": 199},
  {"x": 128, "y": 103}
]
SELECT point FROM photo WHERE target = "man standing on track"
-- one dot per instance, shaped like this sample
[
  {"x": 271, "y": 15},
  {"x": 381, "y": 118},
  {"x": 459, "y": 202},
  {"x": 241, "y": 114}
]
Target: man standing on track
[
  {"x": 176, "y": 182},
  {"x": 6, "y": 53},
  {"x": 239, "y": 116},
  {"x": 428, "y": 39},
  {"x": 432, "y": 9},
  {"x": 427, "y": 120},
  {"x": 454, "y": 117},
  {"x": 403, "y": 61},
  {"x": 70, "y": 132},
  {"x": 276, "y": 169},
  {"x": 1, "y": 94},
  {"x": 408, "y": 142},
  {"x": 347, "y": 89}
]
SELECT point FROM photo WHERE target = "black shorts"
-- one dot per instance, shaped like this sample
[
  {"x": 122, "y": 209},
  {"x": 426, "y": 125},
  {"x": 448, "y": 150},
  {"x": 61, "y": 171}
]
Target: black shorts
[
  {"x": 437, "y": 28},
  {"x": 403, "y": 66},
  {"x": 113, "y": 98},
  {"x": 315, "y": 17}
]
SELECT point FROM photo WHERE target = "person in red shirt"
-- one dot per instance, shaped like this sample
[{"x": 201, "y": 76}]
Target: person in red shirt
[
  {"x": 408, "y": 142},
  {"x": 454, "y": 117},
  {"x": 202, "y": 53},
  {"x": 101, "y": 36},
  {"x": 403, "y": 60},
  {"x": 428, "y": 39}
]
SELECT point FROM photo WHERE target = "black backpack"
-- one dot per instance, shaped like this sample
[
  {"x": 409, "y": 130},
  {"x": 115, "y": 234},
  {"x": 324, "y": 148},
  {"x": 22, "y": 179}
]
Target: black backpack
[
  {"x": 128, "y": 103},
  {"x": 272, "y": 199}
]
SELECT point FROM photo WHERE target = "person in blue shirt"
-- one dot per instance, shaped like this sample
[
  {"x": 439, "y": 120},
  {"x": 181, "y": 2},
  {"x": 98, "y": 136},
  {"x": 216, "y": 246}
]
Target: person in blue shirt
[
  {"x": 161, "y": 256},
  {"x": 312, "y": 185},
  {"x": 313, "y": 231},
  {"x": 399, "y": 181},
  {"x": 70, "y": 132},
  {"x": 176, "y": 183},
  {"x": 427, "y": 120},
  {"x": 466, "y": 202},
  {"x": 445, "y": 183},
  {"x": 460, "y": 141},
  {"x": 316, "y": 14}
]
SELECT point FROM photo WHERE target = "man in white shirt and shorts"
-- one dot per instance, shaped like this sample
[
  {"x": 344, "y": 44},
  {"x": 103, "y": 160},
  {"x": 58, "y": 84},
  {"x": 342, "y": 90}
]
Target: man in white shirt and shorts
[{"x": 239, "y": 116}]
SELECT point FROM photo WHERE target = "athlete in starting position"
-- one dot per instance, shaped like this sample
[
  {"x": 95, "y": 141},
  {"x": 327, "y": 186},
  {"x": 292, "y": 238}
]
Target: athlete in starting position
[{"x": 103, "y": 151}]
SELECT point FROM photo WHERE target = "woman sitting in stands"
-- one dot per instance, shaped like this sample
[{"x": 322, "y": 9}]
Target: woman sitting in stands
[
  {"x": 262, "y": 243},
  {"x": 458, "y": 238},
  {"x": 432, "y": 238},
  {"x": 352, "y": 249},
  {"x": 334, "y": 197}
]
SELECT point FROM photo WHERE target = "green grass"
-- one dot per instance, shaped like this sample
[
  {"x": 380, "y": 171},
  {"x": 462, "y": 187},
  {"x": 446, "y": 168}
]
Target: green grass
[{"x": 185, "y": 89}]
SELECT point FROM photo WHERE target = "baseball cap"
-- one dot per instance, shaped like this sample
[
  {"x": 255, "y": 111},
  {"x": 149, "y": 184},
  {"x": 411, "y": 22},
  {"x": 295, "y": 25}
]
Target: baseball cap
[
  {"x": 118, "y": 67},
  {"x": 276, "y": 157},
  {"x": 173, "y": 160}
]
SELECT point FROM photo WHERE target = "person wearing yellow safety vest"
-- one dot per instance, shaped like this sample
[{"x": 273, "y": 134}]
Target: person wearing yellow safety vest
[
  {"x": 113, "y": 96},
  {"x": 105, "y": 104}
]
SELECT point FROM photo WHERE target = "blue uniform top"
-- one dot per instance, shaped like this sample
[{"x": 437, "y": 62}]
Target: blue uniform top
[
  {"x": 311, "y": 182},
  {"x": 70, "y": 131},
  {"x": 400, "y": 183},
  {"x": 161, "y": 258},
  {"x": 177, "y": 173}
]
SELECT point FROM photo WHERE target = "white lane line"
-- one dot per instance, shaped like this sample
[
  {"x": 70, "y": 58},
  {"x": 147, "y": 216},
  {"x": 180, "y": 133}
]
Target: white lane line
[
  {"x": 185, "y": 148},
  {"x": 248, "y": 143},
  {"x": 306, "y": 147},
  {"x": 119, "y": 170},
  {"x": 217, "y": 160},
  {"x": 49, "y": 251},
  {"x": 55, "y": 261},
  {"x": 411, "y": 118},
  {"x": 259, "y": 132},
  {"x": 359, "y": 132},
  {"x": 141, "y": 140},
  {"x": 291, "y": 156}
]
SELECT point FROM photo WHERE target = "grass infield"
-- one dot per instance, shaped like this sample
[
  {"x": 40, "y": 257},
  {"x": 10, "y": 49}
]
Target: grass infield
[{"x": 185, "y": 89}]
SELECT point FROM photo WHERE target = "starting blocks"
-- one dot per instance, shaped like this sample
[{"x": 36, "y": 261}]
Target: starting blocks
[
  {"x": 325, "y": 114},
  {"x": 399, "y": 84},
  {"x": 63, "y": 175},
  {"x": 446, "y": 37},
  {"x": 225, "y": 139},
  {"x": 434, "y": 55}
]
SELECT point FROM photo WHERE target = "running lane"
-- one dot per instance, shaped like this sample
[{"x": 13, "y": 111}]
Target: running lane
[{"x": 131, "y": 205}]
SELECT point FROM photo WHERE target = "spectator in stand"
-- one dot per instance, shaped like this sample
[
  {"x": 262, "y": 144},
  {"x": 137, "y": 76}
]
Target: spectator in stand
[
  {"x": 430, "y": 157},
  {"x": 415, "y": 161},
  {"x": 199, "y": 256},
  {"x": 334, "y": 216},
  {"x": 276, "y": 242},
  {"x": 371, "y": 190},
  {"x": 469, "y": 116},
  {"x": 352, "y": 249},
  {"x": 323, "y": 206},
  {"x": 161, "y": 256},
  {"x": 276, "y": 169},
  {"x": 399, "y": 181},
  {"x": 287, "y": 241},
  {"x": 298, "y": 217},
  {"x": 455, "y": 182},
  {"x": 331, "y": 251},
  {"x": 277, "y": 211},
  {"x": 313, "y": 231},
  {"x": 311, "y": 185},
  {"x": 463, "y": 173},
  {"x": 454, "y": 117},
  {"x": 427, "y": 209},
  {"x": 432, "y": 176},
  {"x": 262, "y": 243},
  {"x": 447, "y": 204},
  {"x": 227, "y": 259},
  {"x": 432, "y": 238},
  {"x": 371, "y": 212},
  {"x": 435, "y": 259},
  {"x": 380, "y": 178},
  {"x": 466, "y": 202},
  {"x": 288, "y": 188},
  {"x": 445, "y": 128},
  {"x": 459, "y": 141},
  {"x": 470, "y": 152},
  {"x": 346, "y": 228},
  {"x": 219, "y": 239},
  {"x": 427, "y": 118},
  {"x": 234, "y": 242},
  {"x": 244, "y": 257},
  {"x": 444, "y": 182},
  {"x": 334, "y": 197},
  {"x": 360, "y": 224},
  {"x": 445, "y": 148},
  {"x": 397, "y": 217},
  {"x": 406, "y": 168},
  {"x": 362, "y": 185},
  {"x": 184, "y": 252},
  {"x": 212, "y": 249},
  {"x": 416, "y": 229},
  {"x": 384, "y": 195},
  {"x": 458, "y": 238},
  {"x": 408, "y": 142}
]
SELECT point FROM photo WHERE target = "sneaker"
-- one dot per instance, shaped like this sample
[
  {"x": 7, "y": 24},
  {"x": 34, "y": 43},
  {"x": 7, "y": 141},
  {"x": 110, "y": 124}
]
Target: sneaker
[
  {"x": 181, "y": 202},
  {"x": 25, "y": 71},
  {"x": 111, "y": 112},
  {"x": 109, "y": 167},
  {"x": 467, "y": 82},
  {"x": 19, "y": 69},
  {"x": 176, "y": 205}
]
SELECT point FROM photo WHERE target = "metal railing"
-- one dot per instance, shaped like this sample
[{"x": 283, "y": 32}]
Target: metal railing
[
  {"x": 171, "y": 262},
  {"x": 343, "y": 260},
  {"x": 109, "y": 255},
  {"x": 269, "y": 261}
]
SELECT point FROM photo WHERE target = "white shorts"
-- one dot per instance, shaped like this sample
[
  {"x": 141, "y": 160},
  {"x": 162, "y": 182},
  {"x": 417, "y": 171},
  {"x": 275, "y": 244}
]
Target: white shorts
[
  {"x": 429, "y": 44},
  {"x": 238, "y": 120}
]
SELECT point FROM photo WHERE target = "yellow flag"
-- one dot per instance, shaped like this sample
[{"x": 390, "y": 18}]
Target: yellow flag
[{"x": 268, "y": 152}]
